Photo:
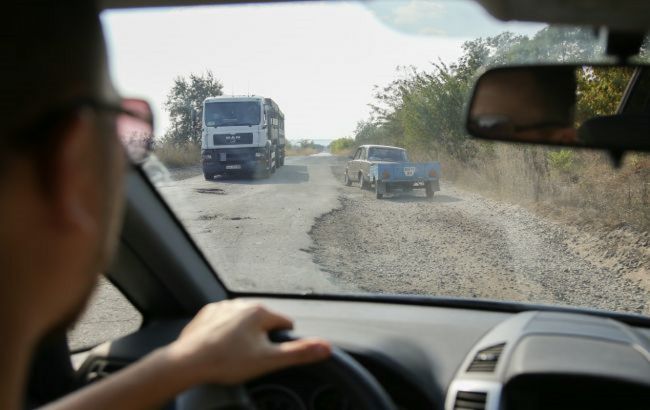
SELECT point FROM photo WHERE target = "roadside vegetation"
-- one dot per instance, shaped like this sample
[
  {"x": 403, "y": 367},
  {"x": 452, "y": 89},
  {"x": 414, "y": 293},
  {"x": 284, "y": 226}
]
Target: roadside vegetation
[
  {"x": 342, "y": 146},
  {"x": 423, "y": 111},
  {"x": 180, "y": 146},
  {"x": 303, "y": 147}
]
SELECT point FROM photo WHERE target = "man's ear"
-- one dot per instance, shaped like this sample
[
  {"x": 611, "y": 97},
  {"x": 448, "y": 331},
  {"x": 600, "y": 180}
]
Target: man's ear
[{"x": 73, "y": 177}]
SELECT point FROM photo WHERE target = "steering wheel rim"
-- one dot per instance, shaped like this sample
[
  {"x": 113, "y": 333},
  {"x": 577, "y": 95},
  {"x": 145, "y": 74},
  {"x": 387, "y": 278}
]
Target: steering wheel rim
[
  {"x": 348, "y": 375},
  {"x": 342, "y": 369}
]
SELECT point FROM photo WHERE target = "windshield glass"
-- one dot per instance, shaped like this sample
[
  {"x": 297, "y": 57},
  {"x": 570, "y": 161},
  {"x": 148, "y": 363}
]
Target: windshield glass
[
  {"x": 289, "y": 210},
  {"x": 386, "y": 154},
  {"x": 218, "y": 114}
]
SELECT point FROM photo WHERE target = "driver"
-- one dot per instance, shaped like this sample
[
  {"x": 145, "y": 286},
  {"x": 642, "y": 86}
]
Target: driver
[{"x": 61, "y": 200}]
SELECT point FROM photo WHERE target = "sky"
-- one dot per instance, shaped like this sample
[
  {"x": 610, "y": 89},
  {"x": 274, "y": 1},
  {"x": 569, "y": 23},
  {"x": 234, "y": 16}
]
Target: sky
[{"x": 319, "y": 61}]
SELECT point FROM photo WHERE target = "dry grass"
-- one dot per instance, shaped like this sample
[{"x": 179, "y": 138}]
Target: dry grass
[
  {"x": 581, "y": 187},
  {"x": 175, "y": 156},
  {"x": 344, "y": 152}
]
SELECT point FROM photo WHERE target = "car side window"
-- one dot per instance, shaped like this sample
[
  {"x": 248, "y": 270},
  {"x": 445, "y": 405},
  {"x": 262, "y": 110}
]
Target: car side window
[
  {"x": 108, "y": 315},
  {"x": 357, "y": 154},
  {"x": 364, "y": 154}
]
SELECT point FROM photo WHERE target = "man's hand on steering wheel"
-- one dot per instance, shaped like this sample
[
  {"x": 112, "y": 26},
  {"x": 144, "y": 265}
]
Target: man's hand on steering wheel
[{"x": 227, "y": 343}]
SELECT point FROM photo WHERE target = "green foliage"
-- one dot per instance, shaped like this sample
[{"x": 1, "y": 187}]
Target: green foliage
[
  {"x": 185, "y": 106},
  {"x": 600, "y": 90},
  {"x": 424, "y": 110},
  {"x": 562, "y": 160},
  {"x": 342, "y": 145}
]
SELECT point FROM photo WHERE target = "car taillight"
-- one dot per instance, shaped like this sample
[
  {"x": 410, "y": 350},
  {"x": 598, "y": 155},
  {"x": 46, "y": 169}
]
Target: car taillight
[
  {"x": 432, "y": 173},
  {"x": 385, "y": 174}
]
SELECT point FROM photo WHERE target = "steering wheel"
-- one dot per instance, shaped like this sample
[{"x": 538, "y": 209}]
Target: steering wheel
[{"x": 340, "y": 369}]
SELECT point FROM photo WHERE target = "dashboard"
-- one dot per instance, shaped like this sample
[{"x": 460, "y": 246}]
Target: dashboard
[{"x": 441, "y": 358}]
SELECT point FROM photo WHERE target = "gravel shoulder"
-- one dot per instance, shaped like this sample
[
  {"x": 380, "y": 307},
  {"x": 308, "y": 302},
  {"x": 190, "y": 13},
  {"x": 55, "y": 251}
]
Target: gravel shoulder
[{"x": 462, "y": 244}]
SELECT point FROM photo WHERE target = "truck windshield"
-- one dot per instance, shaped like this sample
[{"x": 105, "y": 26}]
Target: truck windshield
[
  {"x": 219, "y": 114},
  {"x": 386, "y": 154}
]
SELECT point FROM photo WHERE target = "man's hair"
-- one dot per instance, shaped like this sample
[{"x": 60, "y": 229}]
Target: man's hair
[{"x": 52, "y": 51}]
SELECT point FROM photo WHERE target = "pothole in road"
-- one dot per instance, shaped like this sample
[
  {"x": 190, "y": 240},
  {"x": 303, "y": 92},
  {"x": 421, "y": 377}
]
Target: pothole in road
[
  {"x": 214, "y": 191},
  {"x": 239, "y": 218},
  {"x": 209, "y": 217}
]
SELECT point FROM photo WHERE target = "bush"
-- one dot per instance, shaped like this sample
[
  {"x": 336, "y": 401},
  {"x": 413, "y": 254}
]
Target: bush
[
  {"x": 178, "y": 155},
  {"x": 342, "y": 146},
  {"x": 562, "y": 160}
]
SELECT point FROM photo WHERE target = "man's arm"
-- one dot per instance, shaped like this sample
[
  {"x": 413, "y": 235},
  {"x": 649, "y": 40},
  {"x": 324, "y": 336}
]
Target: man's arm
[{"x": 226, "y": 343}]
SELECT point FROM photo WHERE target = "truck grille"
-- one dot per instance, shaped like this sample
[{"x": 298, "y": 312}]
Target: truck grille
[{"x": 233, "y": 139}]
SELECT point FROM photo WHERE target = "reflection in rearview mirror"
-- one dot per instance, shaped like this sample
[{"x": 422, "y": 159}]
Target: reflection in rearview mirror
[{"x": 586, "y": 106}]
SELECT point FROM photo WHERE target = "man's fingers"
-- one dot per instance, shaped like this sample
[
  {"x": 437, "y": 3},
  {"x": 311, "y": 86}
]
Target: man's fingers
[
  {"x": 273, "y": 321},
  {"x": 299, "y": 352}
]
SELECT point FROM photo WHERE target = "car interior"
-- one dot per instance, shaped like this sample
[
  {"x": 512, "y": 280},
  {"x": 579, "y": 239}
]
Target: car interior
[{"x": 391, "y": 351}]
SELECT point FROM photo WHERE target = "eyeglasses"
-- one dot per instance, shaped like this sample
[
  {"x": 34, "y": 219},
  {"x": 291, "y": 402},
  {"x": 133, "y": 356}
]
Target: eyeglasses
[{"x": 133, "y": 123}]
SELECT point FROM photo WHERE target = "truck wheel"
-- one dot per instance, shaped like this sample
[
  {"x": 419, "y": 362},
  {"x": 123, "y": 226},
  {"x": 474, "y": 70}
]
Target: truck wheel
[
  {"x": 346, "y": 179},
  {"x": 279, "y": 159},
  {"x": 378, "y": 191},
  {"x": 208, "y": 176},
  {"x": 428, "y": 187}
]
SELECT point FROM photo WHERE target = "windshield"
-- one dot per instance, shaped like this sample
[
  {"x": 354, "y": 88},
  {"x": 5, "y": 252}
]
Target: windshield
[
  {"x": 386, "y": 154},
  {"x": 219, "y": 114},
  {"x": 289, "y": 210}
]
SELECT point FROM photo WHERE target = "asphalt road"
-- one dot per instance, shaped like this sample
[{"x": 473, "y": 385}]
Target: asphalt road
[{"x": 255, "y": 231}]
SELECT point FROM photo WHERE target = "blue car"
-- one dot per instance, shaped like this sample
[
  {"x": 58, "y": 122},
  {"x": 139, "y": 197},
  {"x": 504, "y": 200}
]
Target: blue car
[{"x": 388, "y": 169}]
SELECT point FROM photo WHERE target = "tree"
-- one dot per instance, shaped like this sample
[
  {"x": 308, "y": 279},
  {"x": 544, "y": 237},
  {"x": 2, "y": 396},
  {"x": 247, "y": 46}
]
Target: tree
[
  {"x": 423, "y": 110},
  {"x": 185, "y": 106},
  {"x": 600, "y": 90}
]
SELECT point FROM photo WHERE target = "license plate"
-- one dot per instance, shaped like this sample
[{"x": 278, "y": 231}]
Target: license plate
[
  {"x": 222, "y": 156},
  {"x": 233, "y": 166},
  {"x": 409, "y": 171}
]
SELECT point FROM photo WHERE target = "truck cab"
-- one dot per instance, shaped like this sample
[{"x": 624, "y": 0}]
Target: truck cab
[{"x": 241, "y": 135}]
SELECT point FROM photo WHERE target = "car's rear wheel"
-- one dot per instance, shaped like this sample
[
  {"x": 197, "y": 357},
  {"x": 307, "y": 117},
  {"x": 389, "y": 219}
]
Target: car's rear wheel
[
  {"x": 346, "y": 179},
  {"x": 379, "y": 190},
  {"x": 362, "y": 182},
  {"x": 428, "y": 187}
]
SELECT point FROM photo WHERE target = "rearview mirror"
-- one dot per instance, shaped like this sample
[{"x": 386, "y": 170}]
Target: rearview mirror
[{"x": 595, "y": 106}]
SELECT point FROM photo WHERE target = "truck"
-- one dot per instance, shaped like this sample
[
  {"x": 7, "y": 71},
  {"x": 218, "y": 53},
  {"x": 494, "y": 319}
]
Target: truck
[
  {"x": 387, "y": 169},
  {"x": 243, "y": 135}
]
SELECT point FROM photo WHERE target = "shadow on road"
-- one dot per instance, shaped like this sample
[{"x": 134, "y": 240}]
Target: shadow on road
[
  {"x": 287, "y": 174},
  {"x": 419, "y": 197}
]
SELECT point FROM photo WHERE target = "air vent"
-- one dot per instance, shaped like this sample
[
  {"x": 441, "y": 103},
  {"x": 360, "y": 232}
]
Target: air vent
[
  {"x": 486, "y": 359},
  {"x": 466, "y": 400}
]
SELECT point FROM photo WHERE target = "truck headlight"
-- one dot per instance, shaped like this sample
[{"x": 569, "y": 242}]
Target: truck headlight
[
  {"x": 206, "y": 156},
  {"x": 259, "y": 154}
]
